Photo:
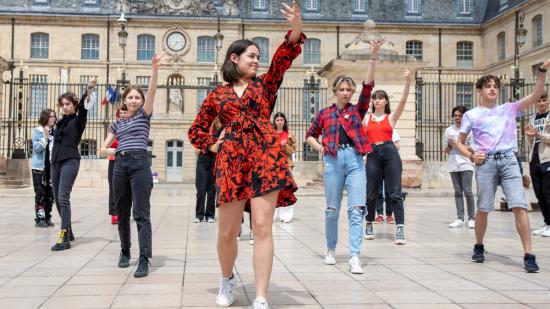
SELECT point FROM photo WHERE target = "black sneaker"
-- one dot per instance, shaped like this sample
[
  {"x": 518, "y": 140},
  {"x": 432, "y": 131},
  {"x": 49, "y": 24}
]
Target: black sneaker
[
  {"x": 124, "y": 259},
  {"x": 41, "y": 223},
  {"x": 143, "y": 267},
  {"x": 63, "y": 242},
  {"x": 530, "y": 263},
  {"x": 479, "y": 253}
]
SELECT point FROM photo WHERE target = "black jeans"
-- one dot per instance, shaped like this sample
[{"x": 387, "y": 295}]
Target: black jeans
[
  {"x": 112, "y": 211},
  {"x": 133, "y": 183},
  {"x": 382, "y": 197},
  {"x": 43, "y": 194},
  {"x": 63, "y": 177},
  {"x": 384, "y": 164},
  {"x": 541, "y": 185},
  {"x": 205, "y": 185}
]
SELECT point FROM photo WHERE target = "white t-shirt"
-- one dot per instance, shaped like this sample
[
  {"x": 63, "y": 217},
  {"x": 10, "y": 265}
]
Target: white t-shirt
[{"x": 457, "y": 162}]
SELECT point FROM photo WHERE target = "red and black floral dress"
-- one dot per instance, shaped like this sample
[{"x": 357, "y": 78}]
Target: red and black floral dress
[{"x": 250, "y": 162}]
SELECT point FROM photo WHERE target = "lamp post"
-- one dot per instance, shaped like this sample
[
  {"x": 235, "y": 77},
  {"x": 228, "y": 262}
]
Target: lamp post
[
  {"x": 516, "y": 83},
  {"x": 122, "y": 39},
  {"x": 219, "y": 43}
]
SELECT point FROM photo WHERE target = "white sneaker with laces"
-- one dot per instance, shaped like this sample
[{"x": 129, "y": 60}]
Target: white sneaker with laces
[
  {"x": 457, "y": 223},
  {"x": 251, "y": 238},
  {"x": 546, "y": 233},
  {"x": 196, "y": 220},
  {"x": 539, "y": 231},
  {"x": 355, "y": 266},
  {"x": 330, "y": 259},
  {"x": 471, "y": 223},
  {"x": 211, "y": 220},
  {"x": 259, "y": 303},
  {"x": 225, "y": 295}
]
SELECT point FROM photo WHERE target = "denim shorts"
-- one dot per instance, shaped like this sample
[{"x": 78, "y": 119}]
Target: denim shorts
[{"x": 499, "y": 169}]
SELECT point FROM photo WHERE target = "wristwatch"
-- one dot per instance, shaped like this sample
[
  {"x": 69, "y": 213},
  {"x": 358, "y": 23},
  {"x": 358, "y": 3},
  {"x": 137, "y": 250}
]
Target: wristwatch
[{"x": 542, "y": 70}]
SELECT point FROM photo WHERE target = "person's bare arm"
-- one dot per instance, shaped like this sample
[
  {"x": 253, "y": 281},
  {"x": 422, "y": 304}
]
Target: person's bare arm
[{"x": 538, "y": 90}]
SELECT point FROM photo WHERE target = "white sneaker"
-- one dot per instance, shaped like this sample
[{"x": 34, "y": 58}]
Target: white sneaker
[
  {"x": 471, "y": 223},
  {"x": 251, "y": 238},
  {"x": 196, "y": 220},
  {"x": 330, "y": 259},
  {"x": 259, "y": 303},
  {"x": 457, "y": 223},
  {"x": 287, "y": 220},
  {"x": 539, "y": 231},
  {"x": 355, "y": 266},
  {"x": 211, "y": 220},
  {"x": 225, "y": 296},
  {"x": 546, "y": 233}
]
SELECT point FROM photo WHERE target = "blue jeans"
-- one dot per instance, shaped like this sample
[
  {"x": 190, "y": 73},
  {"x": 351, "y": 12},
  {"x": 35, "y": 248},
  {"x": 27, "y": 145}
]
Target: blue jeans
[{"x": 345, "y": 170}]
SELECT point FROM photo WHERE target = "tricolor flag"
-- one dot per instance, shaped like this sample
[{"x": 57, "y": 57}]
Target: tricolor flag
[{"x": 111, "y": 95}]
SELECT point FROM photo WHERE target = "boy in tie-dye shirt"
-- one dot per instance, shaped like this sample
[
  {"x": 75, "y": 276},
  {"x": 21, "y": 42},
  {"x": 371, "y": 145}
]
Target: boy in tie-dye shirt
[{"x": 494, "y": 132}]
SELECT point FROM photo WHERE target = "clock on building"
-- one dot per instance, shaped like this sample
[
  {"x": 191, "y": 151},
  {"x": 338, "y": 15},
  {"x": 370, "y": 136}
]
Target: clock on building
[{"x": 176, "y": 41}]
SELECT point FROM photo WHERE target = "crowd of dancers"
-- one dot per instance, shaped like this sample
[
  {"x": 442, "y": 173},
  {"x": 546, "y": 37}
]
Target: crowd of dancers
[{"x": 245, "y": 160}]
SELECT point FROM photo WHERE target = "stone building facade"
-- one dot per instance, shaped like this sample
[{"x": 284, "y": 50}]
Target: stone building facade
[{"x": 61, "y": 41}]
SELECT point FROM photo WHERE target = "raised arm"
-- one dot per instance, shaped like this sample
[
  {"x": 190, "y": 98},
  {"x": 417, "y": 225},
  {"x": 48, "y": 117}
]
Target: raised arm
[
  {"x": 105, "y": 149},
  {"x": 86, "y": 101},
  {"x": 401, "y": 106},
  {"x": 531, "y": 99},
  {"x": 375, "y": 46},
  {"x": 156, "y": 62}
]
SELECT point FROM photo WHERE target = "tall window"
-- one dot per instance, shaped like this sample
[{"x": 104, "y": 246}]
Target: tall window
[
  {"x": 38, "y": 94},
  {"x": 501, "y": 45},
  {"x": 88, "y": 148},
  {"x": 359, "y": 6},
  {"x": 145, "y": 47},
  {"x": 312, "y": 51},
  {"x": 537, "y": 30},
  {"x": 464, "y": 7},
  {"x": 259, "y": 4},
  {"x": 84, "y": 80},
  {"x": 414, "y": 48},
  {"x": 206, "y": 47},
  {"x": 39, "y": 45},
  {"x": 202, "y": 90},
  {"x": 263, "y": 44},
  {"x": 413, "y": 6},
  {"x": 465, "y": 54},
  {"x": 311, "y": 5},
  {"x": 464, "y": 94},
  {"x": 90, "y": 47}
]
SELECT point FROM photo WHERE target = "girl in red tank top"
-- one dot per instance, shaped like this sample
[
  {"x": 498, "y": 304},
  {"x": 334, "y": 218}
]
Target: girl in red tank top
[{"x": 384, "y": 162}]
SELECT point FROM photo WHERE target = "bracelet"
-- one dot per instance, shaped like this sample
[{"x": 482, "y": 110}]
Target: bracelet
[
  {"x": 90, "y": 87},
  {"x": 373, "y": 59},
  {"x": 542, "y": 70}
]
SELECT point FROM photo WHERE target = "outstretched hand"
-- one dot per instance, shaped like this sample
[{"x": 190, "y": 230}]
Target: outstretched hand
[
  {"x": 545, "y": 65},
  {"x": 407, "y": 75},
  {"x": 375, "y": 45},
  {"x": 293, "y": 15},
  {"x": 158, "y": 60}
]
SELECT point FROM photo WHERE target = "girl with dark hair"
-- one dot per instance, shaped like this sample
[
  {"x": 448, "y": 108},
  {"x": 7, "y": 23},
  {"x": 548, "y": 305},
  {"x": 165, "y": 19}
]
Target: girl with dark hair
[
  {"x": 250, "y": 164},
  {"x": 65, "y": 157},
  {"x": 120, "y": 113},
  {"x": 132, "y": 181},
  {"x": 384, "y": 162},
  {"x": 461, "y": 170},
  {"x": 343, "y": 146},
  {"x": 288, "y": 141},
  {"x": 40, "y": 162}
]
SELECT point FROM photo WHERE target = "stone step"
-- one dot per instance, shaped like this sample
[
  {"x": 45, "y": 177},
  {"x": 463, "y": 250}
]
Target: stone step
[
  {"x": 11, "y": 186},
  {"x": 14, "y": 182}
]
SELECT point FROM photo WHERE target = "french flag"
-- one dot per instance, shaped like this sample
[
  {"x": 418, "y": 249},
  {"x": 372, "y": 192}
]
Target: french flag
[{"x": 111, "y": 95}]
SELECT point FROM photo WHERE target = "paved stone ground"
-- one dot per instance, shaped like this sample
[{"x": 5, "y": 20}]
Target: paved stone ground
[{"x": 432, "y": 271}]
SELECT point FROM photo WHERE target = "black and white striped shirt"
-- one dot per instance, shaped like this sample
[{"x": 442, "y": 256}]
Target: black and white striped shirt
[{"x": 132, "y": 132}]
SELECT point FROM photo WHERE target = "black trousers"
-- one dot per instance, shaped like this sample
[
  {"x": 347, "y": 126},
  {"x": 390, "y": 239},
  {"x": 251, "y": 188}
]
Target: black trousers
[
  {"x": 43, "y": 194},
  {"x": 133, "y": 183},
  {"x": 63, "y": 177},
  {"x": 384, "y": 164},
  {"x": 541, "y": 185},
  {"x": 205, "y": 185},
  {"x": 112, "y": 210}
]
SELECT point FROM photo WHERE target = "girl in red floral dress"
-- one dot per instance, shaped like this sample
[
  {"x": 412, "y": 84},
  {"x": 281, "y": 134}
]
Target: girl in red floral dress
[{"x": 250, "y": 164}]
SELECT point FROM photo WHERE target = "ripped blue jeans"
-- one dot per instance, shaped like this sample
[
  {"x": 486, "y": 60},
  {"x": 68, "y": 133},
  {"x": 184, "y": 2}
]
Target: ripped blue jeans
[{"x": 346, "y": 170}]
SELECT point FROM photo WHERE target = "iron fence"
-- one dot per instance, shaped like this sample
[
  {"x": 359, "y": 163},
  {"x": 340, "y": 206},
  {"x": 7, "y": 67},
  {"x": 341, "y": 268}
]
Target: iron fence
[{"x": 435, "y": 99}]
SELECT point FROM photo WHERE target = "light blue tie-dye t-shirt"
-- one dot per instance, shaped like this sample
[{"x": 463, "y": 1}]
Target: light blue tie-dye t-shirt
[{"x": 494, "y": 129}]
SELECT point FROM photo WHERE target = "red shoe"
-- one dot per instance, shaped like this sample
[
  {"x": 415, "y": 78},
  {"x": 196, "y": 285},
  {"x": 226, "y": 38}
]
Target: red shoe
[
  {"x": 379, "y": 219},
  {"x": 390, "y": 220},
  {"x": 114, "y": 219}
]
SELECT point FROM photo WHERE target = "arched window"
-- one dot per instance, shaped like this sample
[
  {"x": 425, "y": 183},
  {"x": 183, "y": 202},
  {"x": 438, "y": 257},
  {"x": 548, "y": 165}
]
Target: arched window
[
  {"x": 263, "y": 44},
  {"x": 312, "y": 51},
  {"x": 39, "y": 45},
  {"x": 90, "y": 47},
  {"x": 206, "y": 48},
  {"x": 465, "y": 54},
  {"x": 145, "y": 46}
]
